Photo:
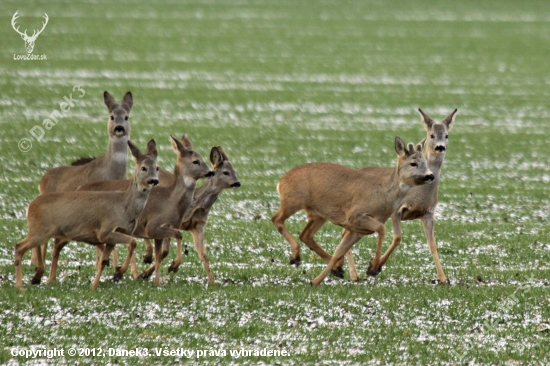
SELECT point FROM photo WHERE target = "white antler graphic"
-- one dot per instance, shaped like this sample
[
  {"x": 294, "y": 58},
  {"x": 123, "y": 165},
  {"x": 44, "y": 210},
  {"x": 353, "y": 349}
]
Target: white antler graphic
[{"x": 29, "y": 41}]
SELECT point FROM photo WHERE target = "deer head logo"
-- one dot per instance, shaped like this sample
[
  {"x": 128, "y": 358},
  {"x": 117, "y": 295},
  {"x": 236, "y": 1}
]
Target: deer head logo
[{"x": 29, "y": 41}]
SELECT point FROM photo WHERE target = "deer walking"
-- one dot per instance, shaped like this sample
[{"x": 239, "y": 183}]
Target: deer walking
[
  {"x": 111, "y": 166},
  {"x": 358, "y": 201},
  {"x": 168, "y": 206},
  {"x": 205, "y": 196},
  {"x": 91, "y": 217},
  {"x": 421, "y": 201}
]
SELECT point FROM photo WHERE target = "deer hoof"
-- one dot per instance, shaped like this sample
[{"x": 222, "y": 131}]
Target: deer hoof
[
  {"x": 36, "y": 280},
  {"x": 117, "y": 277},
  {"x": 438, "y": 282},
  {"x": 148, "y": 259},
  {"x": 145, "y": 275},
  {"x": 173, "y": 267},
  {"x": 295, "y": 261},
  {"x": 338, "y": 272},
  {"x": 186, "y": 252},
  {"x": 372, "y": 271}
]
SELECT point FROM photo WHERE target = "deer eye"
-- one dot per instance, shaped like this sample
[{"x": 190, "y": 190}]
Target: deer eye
[
  {"x": 225, "y": 173},
  {"x": 432, "y": 136},
  {"x": 143, "y": 169},
  {"x": 446, "y": 136},
  {"x": 126, "y": 118},
  {"x": 112, "y": 118},
  {"x": 196, "y": 162},
  {"x": 414, "y": 164}
]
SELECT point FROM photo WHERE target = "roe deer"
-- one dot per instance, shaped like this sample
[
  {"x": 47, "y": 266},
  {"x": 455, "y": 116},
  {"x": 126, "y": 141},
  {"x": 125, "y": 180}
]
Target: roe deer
[
  {"x": 91, "y": 217},
  {"x": 111, "y": 166},
  {"x": 421, "y": 201},
  {"x": 205, "y": 196},
  {"x": 356, "y": 200},
  {"x": 168, "y": 206}
]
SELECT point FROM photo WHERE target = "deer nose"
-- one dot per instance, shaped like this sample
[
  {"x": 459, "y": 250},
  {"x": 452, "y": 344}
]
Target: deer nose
[
  {"x": 210, "y": 174},
  {"x": 440, "y": 148},
  {"x": 236, "y": 185},
  {"x": 153, "y": 182},
  {"x": 429, "y": 178},
  {"x": 119, "y": 129}
]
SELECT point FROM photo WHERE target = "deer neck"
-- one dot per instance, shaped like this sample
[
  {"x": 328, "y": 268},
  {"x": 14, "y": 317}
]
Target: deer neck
[
  {"x": 435, "y": 163},
  {"x": 206, "y": 195},
  {"x": 135, "y": 199},
  {"x": 397, "y": 190},
  {"x": 183, "y": 189},
  {"x": 117, "y": 157}
]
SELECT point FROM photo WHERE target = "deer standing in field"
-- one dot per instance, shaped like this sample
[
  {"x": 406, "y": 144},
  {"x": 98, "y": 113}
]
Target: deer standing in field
[
  {"x": 358, "y": 201},
  {"x": 92, "y": 217},
  {"x": 421, "y": 201},
  {"x": 205, "y": 196},
  {"x": 111, "y": 166},
  {"x": 167, "y": 206}
]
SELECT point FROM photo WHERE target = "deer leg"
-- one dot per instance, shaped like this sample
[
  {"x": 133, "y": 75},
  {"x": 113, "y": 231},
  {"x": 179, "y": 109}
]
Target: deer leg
[
  {"x": 161, "y": 232},
  {"x": 429, "y": 228},
  {"x": 198, "y": 239},
  {"x": 104, "y": 261},
  {"x": 397, "y": 237},
  {"x": 351, "y": 263},
  {"x": 148, "y": 257},
  {"x": 21, "y": 248},
  {"x": 314, "y": 223},
  {"x": 115, "y": 259},
  {"x": 352, "y": 269},
  {"x": 39, "y": 265},
  {"x": 176, "y": 263},
  {"x": 129, "y": 259},
  {"x": 279, "y": 221},
  {"x": 58, "y": 246},
  {"x": 99, "y": 248},
  {"x": 111, "y": 239},
  {"x": 364, "y": 224},
  {"x": 347, "y": 242}
]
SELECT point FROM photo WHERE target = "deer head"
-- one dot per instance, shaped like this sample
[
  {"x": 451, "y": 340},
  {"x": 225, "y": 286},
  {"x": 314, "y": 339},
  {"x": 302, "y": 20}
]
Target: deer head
[{"x": 29, "y": 41}]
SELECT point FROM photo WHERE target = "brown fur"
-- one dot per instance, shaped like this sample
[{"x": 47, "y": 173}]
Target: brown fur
[
  {"x": 204, "y": 198},
  {"x": 167, "y": 206},
  {"x": 356, "y": 200},
  {"x": 91, "y": 217}
]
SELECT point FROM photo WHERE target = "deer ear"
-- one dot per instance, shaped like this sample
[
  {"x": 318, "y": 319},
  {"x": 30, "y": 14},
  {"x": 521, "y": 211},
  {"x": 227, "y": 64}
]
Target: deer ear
[
  {"x": 400, "y": 147},
  {"x": 152, "y": 148},
  {"x": 109, "y": 101},
  {"x": 176, "y": 145},
  {"x": 426, "y": 120},
  {"x": 135, "y": 151},
  {"x": 411, "y": 149},
  {"x": 420, "y": 145},
  {"x": 216, "y": 157},
  {"x": 450, "y": 120},
  {"x": 127, "y": 102},
  {"x": 224, "y": 155},
  {"x": 186, "y": 142}
]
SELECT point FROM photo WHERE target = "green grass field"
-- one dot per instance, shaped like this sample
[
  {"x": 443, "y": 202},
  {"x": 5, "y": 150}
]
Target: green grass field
[{"x": 278, "y": 84}]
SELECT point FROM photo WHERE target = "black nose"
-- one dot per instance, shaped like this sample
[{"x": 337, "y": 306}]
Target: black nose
[
  {"x": 153, "y": 182},
  {"x": 440, "y": 148},
  {"x": 210, "y": 174},
  {"x": 236, "y": 185},
  {"x": 119, "y": 129},
  {"x": 429, "y": 178}
]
